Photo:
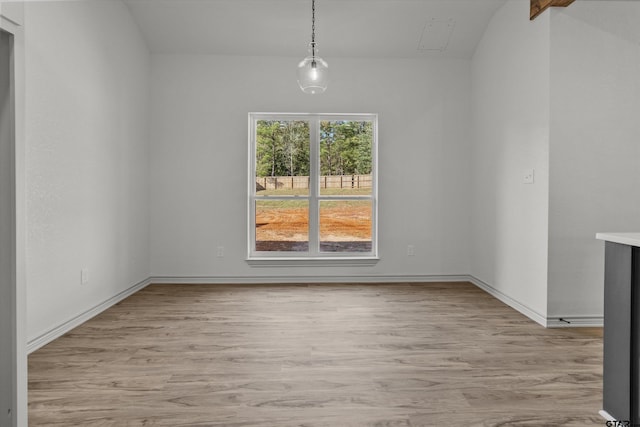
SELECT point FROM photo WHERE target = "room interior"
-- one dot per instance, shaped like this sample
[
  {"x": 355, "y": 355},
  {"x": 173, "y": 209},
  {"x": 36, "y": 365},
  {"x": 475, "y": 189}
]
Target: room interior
[{"x": 131, "y": 145}]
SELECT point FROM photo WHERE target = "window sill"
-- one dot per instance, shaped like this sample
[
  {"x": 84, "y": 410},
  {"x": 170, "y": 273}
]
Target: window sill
[{"x": 313, "y": 262}]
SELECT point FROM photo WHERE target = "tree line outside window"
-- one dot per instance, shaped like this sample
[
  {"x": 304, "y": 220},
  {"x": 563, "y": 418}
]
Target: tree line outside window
[{"x": 282, "y": 148}]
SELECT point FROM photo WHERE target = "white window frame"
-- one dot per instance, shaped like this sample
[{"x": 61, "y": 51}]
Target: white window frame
[{"x": 314, "y": 256}]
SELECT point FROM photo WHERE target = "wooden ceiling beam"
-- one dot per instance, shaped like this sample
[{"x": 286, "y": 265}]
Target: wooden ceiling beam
[{"x": 539, "y": 6}]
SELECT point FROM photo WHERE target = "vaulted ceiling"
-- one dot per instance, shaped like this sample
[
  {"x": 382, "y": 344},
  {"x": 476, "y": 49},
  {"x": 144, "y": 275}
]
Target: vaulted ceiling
[
  {"x": 348, "y": 28},
  {"x": 618, "y": 17},
  {"x": 345, "y": 28}
]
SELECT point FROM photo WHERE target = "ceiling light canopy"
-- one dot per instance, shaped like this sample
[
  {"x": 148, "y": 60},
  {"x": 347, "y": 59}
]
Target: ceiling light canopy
[{"x": 313, "y": 71}]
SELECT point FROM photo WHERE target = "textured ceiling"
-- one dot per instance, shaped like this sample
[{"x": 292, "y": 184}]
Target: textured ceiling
[{"x": 344, "y": 28}]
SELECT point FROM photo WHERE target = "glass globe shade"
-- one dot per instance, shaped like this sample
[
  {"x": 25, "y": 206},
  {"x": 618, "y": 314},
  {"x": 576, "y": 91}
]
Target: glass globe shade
[{"x": 313, "y": 75}]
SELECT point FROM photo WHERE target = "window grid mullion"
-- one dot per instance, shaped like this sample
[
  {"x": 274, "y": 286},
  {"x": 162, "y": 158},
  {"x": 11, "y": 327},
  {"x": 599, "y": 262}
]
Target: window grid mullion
[
  {"x": 251, "y": 229},
  {"x": 314, "y": 152}
]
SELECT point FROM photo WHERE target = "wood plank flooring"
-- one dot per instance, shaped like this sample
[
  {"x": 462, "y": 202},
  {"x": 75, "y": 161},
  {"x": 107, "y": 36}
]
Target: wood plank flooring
[{"x": 437, "y": 354}]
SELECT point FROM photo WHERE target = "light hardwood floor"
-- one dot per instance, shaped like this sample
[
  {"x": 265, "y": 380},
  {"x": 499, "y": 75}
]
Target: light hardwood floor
[{"x": 439, "y": 354}]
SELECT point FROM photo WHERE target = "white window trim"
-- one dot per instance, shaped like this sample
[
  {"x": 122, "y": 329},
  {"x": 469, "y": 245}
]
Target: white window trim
[{"x": 314, "y": 257}]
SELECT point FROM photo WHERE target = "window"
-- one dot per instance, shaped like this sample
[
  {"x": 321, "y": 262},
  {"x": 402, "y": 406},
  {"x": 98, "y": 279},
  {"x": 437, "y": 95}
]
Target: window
[{"x": 312, "y": 186}]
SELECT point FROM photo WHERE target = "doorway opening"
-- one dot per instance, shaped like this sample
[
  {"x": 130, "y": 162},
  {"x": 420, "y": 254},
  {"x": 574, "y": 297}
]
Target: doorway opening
[{"x": 8, "y": 346}]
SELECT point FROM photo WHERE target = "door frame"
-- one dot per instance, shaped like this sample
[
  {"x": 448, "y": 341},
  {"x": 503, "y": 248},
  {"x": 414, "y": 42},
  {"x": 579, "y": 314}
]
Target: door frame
[{"x": 11, "y": 21}]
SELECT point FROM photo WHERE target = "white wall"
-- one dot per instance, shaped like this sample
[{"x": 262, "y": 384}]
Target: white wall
[
  {"x": 87, "y": 80},
  {"x": 510, "y": 75},
  {"x": 594, "y": 154},
  {"x": 199, "y": 157}
]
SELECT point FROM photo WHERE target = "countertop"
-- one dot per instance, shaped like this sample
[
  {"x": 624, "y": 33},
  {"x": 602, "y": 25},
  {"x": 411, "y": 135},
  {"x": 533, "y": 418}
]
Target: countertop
[{"x": 631, "y": 239}]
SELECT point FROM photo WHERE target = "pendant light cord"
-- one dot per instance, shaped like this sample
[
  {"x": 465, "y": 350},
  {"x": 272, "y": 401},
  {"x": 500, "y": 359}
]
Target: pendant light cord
[{"x": 313, "y": 28}]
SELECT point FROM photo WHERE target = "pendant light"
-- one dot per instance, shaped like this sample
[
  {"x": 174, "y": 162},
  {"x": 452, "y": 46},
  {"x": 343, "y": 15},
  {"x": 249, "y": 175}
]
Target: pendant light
[{"x": 313, "y": 71}]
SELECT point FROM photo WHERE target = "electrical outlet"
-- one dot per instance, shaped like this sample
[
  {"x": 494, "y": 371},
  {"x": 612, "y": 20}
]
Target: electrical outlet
[
  {"x": 84, "y": 276},
  {"x": 411, "y": 250},
  {"x": 528, "y": 177},
  {"x": 220, "y": 252}
]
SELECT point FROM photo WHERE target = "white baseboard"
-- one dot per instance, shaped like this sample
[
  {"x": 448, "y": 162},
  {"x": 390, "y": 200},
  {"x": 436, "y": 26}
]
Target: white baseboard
[
  {"x": 529, "y": 312},
  {"x": 575, "y": 322},
  {"x": 547, "y": 322},
  {"x": 62, "y": 329},
  {"x": 604, "y": 414},
  {"x": 568, "y": 321},
  {"x": 76, "y": 321},
  {"x": 251, "y": 280}
]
